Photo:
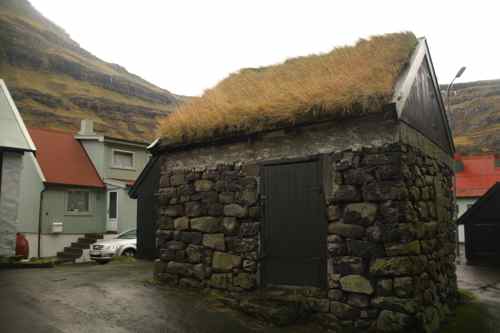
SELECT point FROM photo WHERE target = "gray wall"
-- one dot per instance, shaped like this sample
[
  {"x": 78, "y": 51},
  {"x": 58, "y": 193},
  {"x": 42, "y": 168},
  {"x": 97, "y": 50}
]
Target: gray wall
[
  {"x": 140, "y": 155},
  {"x": 370, "y": 131},
  {"x": 54, "y": 210},
  {"x": 31, "y": 187},
  {"x": 12, "y": 165},
  {"x": 127, "y": 211}
]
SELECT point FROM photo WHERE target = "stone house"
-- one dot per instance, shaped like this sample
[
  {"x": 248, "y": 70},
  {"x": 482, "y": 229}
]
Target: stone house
[
  {"x": 347, "y": 216},
  {"x": 15, "y": 142}
]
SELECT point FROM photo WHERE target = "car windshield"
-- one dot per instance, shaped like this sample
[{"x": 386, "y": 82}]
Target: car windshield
[{"x": 132, "y": 234}]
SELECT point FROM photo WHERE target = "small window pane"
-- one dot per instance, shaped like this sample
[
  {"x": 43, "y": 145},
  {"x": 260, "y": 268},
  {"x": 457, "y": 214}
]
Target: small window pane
[
  {"x": 78, "y": 201},
  {"x": 123, "y": 159}
]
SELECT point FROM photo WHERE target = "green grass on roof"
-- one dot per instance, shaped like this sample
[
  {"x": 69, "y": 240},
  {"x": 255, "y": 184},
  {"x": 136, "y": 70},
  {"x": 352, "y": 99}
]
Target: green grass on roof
[{"x": 347, "y": 81}]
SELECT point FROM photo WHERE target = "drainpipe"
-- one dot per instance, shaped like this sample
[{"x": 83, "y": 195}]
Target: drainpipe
[{"x": 40, "y": 213}]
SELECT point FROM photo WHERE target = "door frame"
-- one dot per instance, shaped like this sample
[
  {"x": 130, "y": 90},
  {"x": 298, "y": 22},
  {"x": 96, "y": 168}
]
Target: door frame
[
  {"x": 320, "y": 160},
  {"x": 108, "y": 208}
]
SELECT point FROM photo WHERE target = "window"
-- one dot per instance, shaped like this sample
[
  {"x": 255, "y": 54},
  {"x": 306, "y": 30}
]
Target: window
[
  {"x": 132, "y": 234},
  {"x": 123, "y": 159},
  {"x": 78, "y": 202}
]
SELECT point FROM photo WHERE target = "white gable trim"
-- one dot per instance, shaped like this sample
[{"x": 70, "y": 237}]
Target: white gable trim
[{"x": 30, "y": 146}]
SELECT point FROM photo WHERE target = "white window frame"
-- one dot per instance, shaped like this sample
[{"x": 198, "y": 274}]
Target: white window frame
[
  {"x": 66, "y": 200},
  {"x": 114, "y": 166}
]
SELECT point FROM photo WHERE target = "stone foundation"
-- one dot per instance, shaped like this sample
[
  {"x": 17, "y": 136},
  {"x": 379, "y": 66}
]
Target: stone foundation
[{"x": 390, "y": 238}]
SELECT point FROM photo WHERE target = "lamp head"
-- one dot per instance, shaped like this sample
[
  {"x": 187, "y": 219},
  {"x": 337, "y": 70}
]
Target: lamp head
[{"x": 460, "y": 72}]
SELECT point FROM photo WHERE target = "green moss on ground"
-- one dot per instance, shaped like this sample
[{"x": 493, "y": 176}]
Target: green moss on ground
[{"x": 472, "y": 315}]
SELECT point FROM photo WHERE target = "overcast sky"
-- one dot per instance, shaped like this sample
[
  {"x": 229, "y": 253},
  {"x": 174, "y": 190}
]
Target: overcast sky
[{"x": 186, "y": 46}]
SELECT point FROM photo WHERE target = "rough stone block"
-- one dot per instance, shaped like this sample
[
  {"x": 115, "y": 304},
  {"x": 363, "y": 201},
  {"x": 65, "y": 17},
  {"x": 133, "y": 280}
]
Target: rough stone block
[
  {"x": 193, "y": 209},
  {"x": 358, "y": 300},
  {"x": 363, "y": 213},
  {"x": 356, "y": 284},
  {"x": 206, "y": 224},
  {"x": 365, "y": 249},
  {"x": 244, "y": 280},
  {"x": 385, "y": 287},
  {"x": 346, "y": 230},
  {"x": 249, "y": 229},
  {"x": 174, "y": 210},
  {"x": 393, "y": 322},
  {"x": 336, "y": 294},
  {"x": 248, "y": 197},
  {"x": 334, "y": 213},
  {"x": 224, "y": 262},
  {"x": 181, "y": 223},
  {"x": 178, "y": 268},
  {"x": 345, "y": 193},
  {"x": 235, "y": 210},
  {"x": 385, "y": 190},
  {"x": 398, "y": 266},
  {"x": 411, "y": 248},
  {"x": 203, "y": 185},
  {"x": 177, "y": 179},
  {"x": 221, "y": 281},
  {"x": 403, "y": 287},
  {"x": 189, "y": 283},
  {"x": 348, "y": 265},
  {"x": 230, "y": 225},
  {"x": 226, "y": 197},
  {"x": 190, "y": 237},
  {"x": 214, "y": 241},
  {"x": 175, "y": 245},
  {"x": 194, "y": 253},
  {"x": 250, "y": 265},
  {"x": 344, "y": 311}
]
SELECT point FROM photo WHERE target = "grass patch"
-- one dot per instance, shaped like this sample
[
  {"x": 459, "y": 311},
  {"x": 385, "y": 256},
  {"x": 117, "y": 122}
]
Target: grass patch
[
  {"x": 123, "y": 259},
  {"x": 347, "y": 81},
  {"x": 471, "y": 316}
]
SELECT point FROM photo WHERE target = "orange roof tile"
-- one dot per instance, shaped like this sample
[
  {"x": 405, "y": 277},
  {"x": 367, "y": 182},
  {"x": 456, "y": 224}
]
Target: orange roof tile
[{"x": 63, "y": 160}]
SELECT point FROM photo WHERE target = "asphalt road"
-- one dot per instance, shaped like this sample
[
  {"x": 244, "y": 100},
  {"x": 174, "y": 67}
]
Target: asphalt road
[
  {"x": 116, "y": 297},
  {"x": 121, "y": 297}
]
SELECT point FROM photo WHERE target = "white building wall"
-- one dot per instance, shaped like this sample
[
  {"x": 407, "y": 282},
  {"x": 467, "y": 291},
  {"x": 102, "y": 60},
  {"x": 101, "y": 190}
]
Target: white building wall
[
  {"x": 463, "y": 204},
  {"x": 9, "y": 201}
]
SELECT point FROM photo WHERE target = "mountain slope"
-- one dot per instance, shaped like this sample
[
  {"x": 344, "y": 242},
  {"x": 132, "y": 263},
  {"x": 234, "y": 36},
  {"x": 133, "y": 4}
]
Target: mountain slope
[
  {"x": 55, "y": 83},
  {"x": 475, "y": 116}
]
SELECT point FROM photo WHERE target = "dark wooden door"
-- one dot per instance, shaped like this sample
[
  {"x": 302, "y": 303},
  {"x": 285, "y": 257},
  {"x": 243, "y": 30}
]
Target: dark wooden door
[{"x": 295, "y": 227}]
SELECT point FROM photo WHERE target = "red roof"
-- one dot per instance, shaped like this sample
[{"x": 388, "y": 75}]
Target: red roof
[
  {"x": 478, "y": 175},
  {"x": 63, "y": 160}
]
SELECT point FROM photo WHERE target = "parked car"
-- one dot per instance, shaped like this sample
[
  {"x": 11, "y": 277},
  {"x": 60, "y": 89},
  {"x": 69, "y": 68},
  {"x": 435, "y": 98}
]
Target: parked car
[{"x": 125, "y": 244}]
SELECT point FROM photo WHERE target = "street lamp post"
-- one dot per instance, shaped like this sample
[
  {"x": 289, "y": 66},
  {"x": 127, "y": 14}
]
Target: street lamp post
[{"x": 459, "y": 74}]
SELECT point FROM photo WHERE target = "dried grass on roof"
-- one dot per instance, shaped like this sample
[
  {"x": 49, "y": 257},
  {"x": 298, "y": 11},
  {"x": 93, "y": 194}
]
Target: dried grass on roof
[{"x": 346, "y": 81}]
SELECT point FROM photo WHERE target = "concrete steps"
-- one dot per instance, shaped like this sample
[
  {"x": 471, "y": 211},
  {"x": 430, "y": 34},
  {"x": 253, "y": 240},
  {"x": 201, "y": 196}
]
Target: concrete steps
[{"x": 75, "y": 250}]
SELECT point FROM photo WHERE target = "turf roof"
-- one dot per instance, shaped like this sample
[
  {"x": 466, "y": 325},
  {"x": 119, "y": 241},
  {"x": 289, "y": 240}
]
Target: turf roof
[{"x": 348, "y": 81}]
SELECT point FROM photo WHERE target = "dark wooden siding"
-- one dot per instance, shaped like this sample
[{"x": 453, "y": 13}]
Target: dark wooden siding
[
  {"x": 147, "y": 213},
  {"x": 422, "y": 110}
]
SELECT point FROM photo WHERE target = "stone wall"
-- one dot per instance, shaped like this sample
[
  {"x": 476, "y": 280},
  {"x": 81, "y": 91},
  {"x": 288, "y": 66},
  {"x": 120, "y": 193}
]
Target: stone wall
[
  {"x": 9, "y": 201},
  {"x": 390, "y": 237}
]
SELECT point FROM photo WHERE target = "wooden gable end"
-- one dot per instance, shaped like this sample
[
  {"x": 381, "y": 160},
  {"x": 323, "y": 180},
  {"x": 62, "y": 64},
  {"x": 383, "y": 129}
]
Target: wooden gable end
[
  {"x": 422, "y": 110},
  {"x": 418, "y": 100}
]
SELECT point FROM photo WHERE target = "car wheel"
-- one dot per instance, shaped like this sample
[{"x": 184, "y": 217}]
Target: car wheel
[{"x": 128, "y": 253}]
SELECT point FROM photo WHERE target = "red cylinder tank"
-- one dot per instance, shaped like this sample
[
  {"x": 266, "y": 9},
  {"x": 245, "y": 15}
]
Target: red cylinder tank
[{"x": 22, "y": 246}]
